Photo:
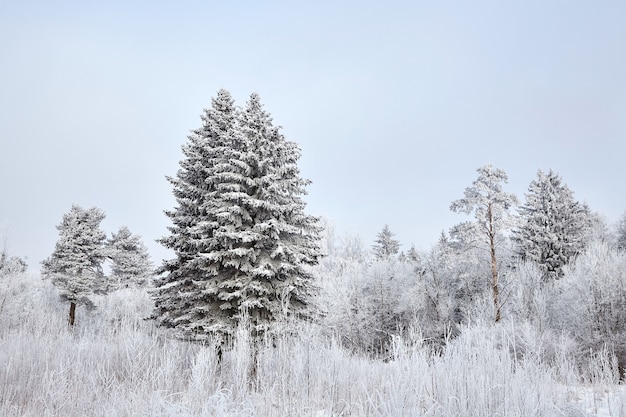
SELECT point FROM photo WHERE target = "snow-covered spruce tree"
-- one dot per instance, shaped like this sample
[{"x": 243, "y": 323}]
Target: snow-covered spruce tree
[
  {"x": 490, "y": 205},
  {"x": 385, "y": 245},
  {"x": 265, "y": 238},
  {"x": 241, "y": 236},
  {"x": 179, "y": 302},
  {"x": 75, "y": 266},
  {"x": 553, "y": 226},
  {"x": 131, "y": 265}
]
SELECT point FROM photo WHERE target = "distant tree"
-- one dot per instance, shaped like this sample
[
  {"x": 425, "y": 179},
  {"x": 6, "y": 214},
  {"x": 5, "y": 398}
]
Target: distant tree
[
  {"x": 553, "y": 226},
  {"x": 131, "y": 264},
  {"x": 385, "y": 245},
  {"x": 75, "y": 266},
  {"x": 597, "y": 227},
  {"x": 490, "y": 205},
  {"x": 11, "y": 264},
  {"x": 240, "y": 234},
  {"x": 413, "y": 256},
  {"x": 621, "y": 233}
]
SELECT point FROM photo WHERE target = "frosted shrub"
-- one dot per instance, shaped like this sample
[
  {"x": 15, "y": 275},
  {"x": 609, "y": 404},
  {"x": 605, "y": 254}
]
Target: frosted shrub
[
  {"x": 590, "y": 303},
  {"x": 125, "y": 307},
  {"x": 369, "y": 303},
  {"x": 24, "y": 297},
  {"x": 129, "y": 371},
  {"x": 529, "y": 295}
]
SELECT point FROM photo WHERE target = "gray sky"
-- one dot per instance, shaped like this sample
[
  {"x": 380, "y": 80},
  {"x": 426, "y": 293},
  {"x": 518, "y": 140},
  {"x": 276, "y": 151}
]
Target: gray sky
[{"x": 394, "y": 104}]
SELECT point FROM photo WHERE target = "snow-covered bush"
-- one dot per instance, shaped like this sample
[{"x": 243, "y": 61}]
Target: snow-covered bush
[
  {"x": 11, "y": 264},
  {"x": 366, "y": 299},
  {"x": 114, "y": 363},
  {"x": 23, "y": 297},
  {"x": 590, "y": 303},
  {"x": 437, "y": 297},
  {"x": 529, "y": 294}
]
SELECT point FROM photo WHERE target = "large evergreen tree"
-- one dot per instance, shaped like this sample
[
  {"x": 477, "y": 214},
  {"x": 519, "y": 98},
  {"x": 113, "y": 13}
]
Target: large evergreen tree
[
  {"x": 178, "y": 302},
  {"x": 75, "y": 266},
  {"x": 490, "y": 205},
  {"x": 553, "y": 225},
  {"x": 240, "y": 234},
  {"x": 131, "y": 264}
]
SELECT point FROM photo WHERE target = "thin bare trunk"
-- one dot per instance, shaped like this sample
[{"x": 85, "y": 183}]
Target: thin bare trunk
[
  {"x": 72, "y": 313},
  {"x": 494, "y": 266}
]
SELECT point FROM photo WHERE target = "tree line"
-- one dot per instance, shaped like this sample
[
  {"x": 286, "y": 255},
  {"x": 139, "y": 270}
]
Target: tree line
[
  {"x": 550, "y": 266},
  {"x": 246, "y": 251}
]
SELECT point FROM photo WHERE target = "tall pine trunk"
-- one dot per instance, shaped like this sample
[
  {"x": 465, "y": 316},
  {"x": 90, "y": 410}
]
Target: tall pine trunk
[
  {"x": 494, "y": 265},
  {"x": 72, "y": 313}
]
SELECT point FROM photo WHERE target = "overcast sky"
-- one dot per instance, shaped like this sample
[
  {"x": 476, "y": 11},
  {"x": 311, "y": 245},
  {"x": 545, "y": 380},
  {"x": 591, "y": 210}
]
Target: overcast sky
[{"x": 394, "y": 105}]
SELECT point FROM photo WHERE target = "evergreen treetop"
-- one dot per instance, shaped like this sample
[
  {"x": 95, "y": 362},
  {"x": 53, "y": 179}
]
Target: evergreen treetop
[{"x": 385, "y": 245}]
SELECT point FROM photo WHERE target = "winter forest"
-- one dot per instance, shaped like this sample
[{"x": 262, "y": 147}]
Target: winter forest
[{"x": 264, "y": 310}]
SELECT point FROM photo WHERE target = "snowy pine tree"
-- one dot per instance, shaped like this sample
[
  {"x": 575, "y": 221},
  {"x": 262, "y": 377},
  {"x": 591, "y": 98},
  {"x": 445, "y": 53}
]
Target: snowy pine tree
[
  {"x": 553, "y": 225},
  {"x": 131, "y": 264},
  {"x": 75, "y": 266},
  {"x": 490, "y": 205},
  {"x": 241, "y": 235},
  {"x": 385, "y": 245}
]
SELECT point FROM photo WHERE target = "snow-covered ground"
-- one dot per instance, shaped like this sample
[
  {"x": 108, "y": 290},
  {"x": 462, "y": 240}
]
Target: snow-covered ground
[{"x": 598, "y": 400}]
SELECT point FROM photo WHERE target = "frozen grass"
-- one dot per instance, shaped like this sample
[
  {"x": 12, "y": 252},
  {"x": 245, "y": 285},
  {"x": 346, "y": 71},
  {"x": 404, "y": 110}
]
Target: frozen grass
[{"x": 114, "y": 363}]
